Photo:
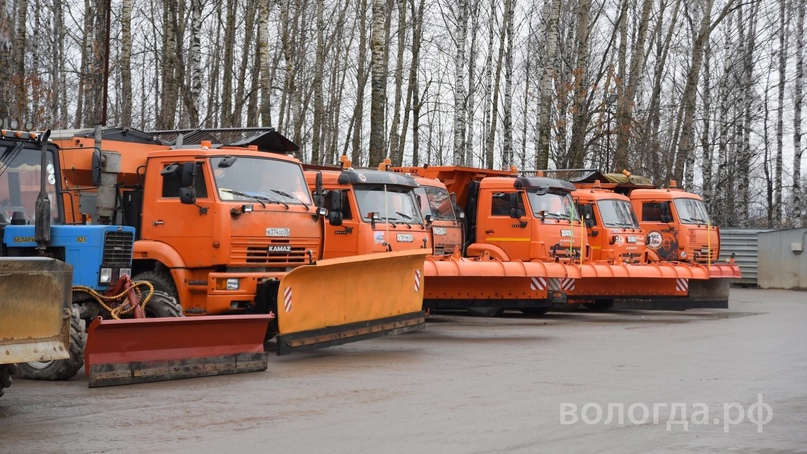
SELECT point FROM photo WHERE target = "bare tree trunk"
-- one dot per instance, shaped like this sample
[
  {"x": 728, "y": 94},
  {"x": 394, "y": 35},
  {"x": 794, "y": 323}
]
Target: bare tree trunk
[
  {"x": 194, "y": 91},
  {"x": 706, "y": 144},
  {"x": 361, "y": 76},
  {"x": 507, "y": 126},
  {"x": 228, "y": 64},
  {"x": 627, "y": 99},
  {"x": 264, "y": 64},
  {"x": 126, "y": 63},
  {"x": 470, "y": 105},
  {"x": 7, "y": 87},
  {"x": 460, "y": 60},
  {"x": 577, "y": 154},
  {"x": 777, "y": 173},
  {"x": 416, "y": 26},
  {"x": 798, "y": 94},
  {"x": 378, "y": 84},
  {"x": 319, "y": 106},
  {"x": 396, "y": 152},
  {"x": 544, "y": 125},
  {"x": 21, "y": 87},
  {"x": 494, "y": 110}
]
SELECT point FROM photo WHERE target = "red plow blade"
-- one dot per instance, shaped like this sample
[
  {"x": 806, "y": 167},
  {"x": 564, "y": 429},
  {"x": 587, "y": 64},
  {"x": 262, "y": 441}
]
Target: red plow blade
[{"x": 121, "y": 352}]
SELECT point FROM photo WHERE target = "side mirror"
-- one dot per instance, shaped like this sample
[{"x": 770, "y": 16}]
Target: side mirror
[
  {"x": 335, "y": 218},
  {"x": 335, "y": 200},
  {"x": 187, "y": 174},
  {"x": 516, "y": 213},
  {"x": 589, "y": 222},
  {"x": 96, "y": 167},
  {"x": 428, "y": 218},
  {"x": 187, "y": 195}
]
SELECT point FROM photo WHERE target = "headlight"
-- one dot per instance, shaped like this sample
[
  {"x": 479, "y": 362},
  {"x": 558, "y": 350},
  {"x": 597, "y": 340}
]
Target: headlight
[
  {"x": 632, "y": 239},
  {"x": 228, "y": 284},
  {"x": 125, "y": 272},
  {"x": 106, "y": 275}
]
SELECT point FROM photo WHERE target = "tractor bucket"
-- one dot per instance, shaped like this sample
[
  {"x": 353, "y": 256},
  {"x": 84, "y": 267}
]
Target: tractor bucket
[
  {"x": 35, "y": 308},
  {"x": 348, "y": 299},
  {"x": 459, "y": 283},
  {"x": 128, "y": 351}
]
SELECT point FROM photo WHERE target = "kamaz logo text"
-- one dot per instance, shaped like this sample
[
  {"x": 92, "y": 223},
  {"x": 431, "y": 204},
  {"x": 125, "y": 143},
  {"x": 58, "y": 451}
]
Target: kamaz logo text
[{"x": 279, "y": 249}]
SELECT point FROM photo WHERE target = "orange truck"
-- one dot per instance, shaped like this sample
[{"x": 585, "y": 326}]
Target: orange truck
[
  {"x": 374, "y": 210},
  {"x": 535, "y": 219},
  {"x": 225, "y": 223},
  {"x": 676, "y": 227}
]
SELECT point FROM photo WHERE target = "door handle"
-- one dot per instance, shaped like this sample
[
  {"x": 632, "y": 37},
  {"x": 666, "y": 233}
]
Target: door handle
[
  {"x": 489, "y": 231},
  {"x": 158, "y": 222}
]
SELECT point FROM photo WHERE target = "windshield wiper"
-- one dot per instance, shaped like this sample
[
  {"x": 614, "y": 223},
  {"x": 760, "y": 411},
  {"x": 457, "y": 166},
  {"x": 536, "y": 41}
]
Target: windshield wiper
[
  {"x": 406, "y": 216},
  {"x": 257, "y": 198},
  {"x": 290, "y": 196}
]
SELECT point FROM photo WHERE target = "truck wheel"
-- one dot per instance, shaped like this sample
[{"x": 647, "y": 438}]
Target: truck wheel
[
  {"x": 161, "y": 280},
  {"x": 534, "y": 310},
  {"x": 61, "y": 369},
  {"x": 162, "y": 305},
  {"x": 6, "y": 371},
  {"x": 600, "y": 306},
  {"x": 485, "y": 311}
]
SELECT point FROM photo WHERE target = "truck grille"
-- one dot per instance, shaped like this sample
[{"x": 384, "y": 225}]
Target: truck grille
[
  {"x": 118, "y": 248},
  {"x": 272, "y": 253}
]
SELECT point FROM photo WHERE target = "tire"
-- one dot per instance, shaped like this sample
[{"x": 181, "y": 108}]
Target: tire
[
  {"x": 161, "y": 280},
  {"x": 485, "y": 311},
  {"x": 6, "y": 371},
  {"x": 534, "y": 310},
  {"x": 162, "y": 305},
  {"x": 599, "y": 306},
  {"x": 61, "y": 369}
]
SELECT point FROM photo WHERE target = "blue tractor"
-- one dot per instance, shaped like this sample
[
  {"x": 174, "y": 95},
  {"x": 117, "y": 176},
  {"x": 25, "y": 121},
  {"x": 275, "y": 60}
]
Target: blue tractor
[{"x": 32, "y": 223}]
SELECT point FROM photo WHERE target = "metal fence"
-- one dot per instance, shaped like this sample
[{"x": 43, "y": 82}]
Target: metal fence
[{"x": 743, "y": 244}]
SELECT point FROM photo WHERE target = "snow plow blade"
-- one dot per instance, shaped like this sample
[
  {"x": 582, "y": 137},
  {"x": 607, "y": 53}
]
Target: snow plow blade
[
  {"x": 459, "y": 283},
  {"x": 647, "y": 286},
  {"x": 128, "y": 351},
  {"x": 349, "y": 299},
  {"x": 34, "y": 309},
  {"x": 714, "y": 292}
]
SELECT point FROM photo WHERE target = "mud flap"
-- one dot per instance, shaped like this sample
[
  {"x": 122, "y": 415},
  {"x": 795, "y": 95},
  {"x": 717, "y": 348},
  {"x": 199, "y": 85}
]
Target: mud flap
[
  {"x": 35, "y": 298},
  {"x": 349, "y": 299},
  {"x": 128, "y": 351}
]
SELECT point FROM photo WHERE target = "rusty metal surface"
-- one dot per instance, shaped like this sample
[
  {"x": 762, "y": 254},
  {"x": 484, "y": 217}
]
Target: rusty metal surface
[{"x": 34, "y": 309}]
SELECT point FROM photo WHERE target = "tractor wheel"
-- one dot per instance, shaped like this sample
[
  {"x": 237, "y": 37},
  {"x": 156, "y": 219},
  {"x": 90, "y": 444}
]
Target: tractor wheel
[
  {"x": 485, "y": 311},
  {"x": 61, "y": 369},
  {"x": 6, "y": 371},
  {"x": 534, "y": 310},
  {"x": 162, "y": 305}
]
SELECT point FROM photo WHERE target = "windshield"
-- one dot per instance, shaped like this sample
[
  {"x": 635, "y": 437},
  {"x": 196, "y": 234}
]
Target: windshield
[
  {"x": 617, "y": 213},
  {"x": 691, "y": 211},
  {"x": 20, "y": 177},
  {"x": 399, "y": 205},
  {"x": 553, "y": 205},
  {"x": 269, "y": 180},
  {"x": 436, "y": 202}
]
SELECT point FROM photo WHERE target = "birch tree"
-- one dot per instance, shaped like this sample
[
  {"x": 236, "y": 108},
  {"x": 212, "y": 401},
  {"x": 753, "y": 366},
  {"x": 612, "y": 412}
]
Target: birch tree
[
  {"x": 377, "y": 84},
  {"x": 798, "y": 98}
]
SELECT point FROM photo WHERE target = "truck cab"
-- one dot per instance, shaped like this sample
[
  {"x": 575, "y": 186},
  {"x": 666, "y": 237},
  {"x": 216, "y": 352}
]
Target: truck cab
[
  {"x": 677, "y": 225},
  {"x": 525, "y": 218},
  {"x": 611, "y": 226},
  {"x": 369, "y": 211},
  {"x": 442, "y": 217}
]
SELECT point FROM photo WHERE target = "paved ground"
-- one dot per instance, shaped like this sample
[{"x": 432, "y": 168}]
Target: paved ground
[{"x": 465, "y": 384}]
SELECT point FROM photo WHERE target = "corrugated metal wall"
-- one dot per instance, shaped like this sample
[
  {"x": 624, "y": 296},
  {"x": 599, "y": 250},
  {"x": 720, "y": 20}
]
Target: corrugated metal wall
[
  {"x": 783, "y": 259},
  {"x": 743, "y": 244}
]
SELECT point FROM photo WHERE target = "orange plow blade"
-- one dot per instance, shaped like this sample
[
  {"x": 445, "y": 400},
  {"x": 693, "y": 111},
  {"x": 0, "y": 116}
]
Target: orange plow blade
[
  {"x": 348, "y": 299},
  {"x": 459, "y": 283},
  {"x": 120, "y": 352}
]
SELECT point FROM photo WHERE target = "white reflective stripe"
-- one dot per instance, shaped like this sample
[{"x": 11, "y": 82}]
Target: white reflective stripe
[
  {"x": 682, "y": 285},
  {"x": 417, "y": 281},
  {"x": 537, "y": 283},
  {"x": 287, "y": 299}
]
